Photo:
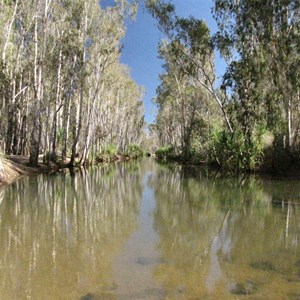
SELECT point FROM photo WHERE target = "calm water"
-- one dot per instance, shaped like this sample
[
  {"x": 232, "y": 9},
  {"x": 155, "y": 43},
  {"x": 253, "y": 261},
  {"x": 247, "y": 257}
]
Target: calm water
[{"x": 139, "y": 230}]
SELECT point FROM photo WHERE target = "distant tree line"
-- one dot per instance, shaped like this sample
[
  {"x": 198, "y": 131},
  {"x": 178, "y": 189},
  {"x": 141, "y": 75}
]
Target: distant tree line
[
  {"x": 251, "y": 119},
  {"x": 63, "y": 91}
]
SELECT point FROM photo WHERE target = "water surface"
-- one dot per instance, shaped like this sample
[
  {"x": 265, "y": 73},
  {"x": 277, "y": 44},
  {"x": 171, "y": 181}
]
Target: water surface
[{"x": 139, "y": 230}]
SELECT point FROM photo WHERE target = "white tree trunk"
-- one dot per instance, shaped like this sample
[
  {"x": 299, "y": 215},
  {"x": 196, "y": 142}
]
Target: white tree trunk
[{"x": 1, "y": 171}]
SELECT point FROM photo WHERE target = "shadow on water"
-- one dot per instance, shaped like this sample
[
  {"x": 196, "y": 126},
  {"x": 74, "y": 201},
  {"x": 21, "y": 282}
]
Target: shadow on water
[{"x": 139, "y": 230}]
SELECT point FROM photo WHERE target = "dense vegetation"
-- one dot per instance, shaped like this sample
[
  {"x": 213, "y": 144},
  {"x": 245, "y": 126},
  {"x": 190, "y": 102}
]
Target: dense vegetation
[
  {"x": 249, "y": 120},
  {"x": 64, "y": 92}
]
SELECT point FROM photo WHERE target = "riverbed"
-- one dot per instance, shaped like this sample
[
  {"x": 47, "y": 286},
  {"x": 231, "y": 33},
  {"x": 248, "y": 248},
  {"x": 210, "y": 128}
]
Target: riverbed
[{"x": 141, "y": 230}]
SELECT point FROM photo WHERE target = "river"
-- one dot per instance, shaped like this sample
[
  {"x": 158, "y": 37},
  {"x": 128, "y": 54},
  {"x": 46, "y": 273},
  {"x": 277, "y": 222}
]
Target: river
[{"x": 140, "y": 230}]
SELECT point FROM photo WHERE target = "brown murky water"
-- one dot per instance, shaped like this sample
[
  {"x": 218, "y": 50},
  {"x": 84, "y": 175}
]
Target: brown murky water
[{"x": 140, "y": 230}]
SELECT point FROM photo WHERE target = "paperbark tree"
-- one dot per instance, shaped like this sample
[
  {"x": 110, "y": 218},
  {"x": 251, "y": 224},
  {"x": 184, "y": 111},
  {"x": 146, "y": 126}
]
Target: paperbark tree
[{"x": 58, "y": 59}]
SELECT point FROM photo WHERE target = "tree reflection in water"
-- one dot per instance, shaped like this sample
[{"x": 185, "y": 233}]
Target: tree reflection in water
[
  {"x": 169, "y": 232},
  {"x": 59, "y": 234},
  {"x": 226, "y": 236}
]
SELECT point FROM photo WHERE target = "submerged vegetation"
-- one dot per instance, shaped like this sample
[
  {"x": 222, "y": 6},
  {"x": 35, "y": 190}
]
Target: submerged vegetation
[{"x": 250, "y": 119}]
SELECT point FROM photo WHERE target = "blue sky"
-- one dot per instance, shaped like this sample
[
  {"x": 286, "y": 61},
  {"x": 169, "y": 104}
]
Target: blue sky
[{"x": 141, "y": 41}]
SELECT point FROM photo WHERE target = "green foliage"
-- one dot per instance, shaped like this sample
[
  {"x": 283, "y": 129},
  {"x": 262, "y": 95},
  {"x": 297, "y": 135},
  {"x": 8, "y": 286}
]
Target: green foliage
[
  {"x": 233, "y": 153},
  {"x": 78, "y": 79},
  {"x": 164, "y": 153},
  {"x": 8, "y": 2},
  {"x": 111, "y": 149},
  {"x": 108, "y": 154},
  {"x": 260, "y": 88},
  {"x": 134, "y": 151},
  {"x": 263, "y": 76},
  {"x": 163, "y": 12}
]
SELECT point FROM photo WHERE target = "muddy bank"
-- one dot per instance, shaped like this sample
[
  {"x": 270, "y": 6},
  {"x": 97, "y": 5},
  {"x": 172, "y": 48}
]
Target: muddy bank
[{"x": 14, "y": 166}]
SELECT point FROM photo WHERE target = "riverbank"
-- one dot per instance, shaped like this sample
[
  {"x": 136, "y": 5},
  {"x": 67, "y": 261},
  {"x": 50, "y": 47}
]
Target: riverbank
[
  {"x": 14, "y": 166},
  {"x": 281, "y": 169}
]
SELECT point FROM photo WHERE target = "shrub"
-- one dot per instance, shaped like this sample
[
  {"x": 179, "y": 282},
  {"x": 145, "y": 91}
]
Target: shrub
[
  {"x": 108, "y": 154},
  {"x": 134, "y": 151},
  {"x": 164, "y": 153},
  {"x": 234, "y": 152}
]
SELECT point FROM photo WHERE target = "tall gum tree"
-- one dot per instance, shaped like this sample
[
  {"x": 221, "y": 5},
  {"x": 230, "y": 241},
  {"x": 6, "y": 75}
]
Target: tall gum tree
[
  {"x": 191, "y": 44},
  {"x": 182, "y": 105},
  {"x": 59, "y": 61},
  {"x": 261, "y": 41}
]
